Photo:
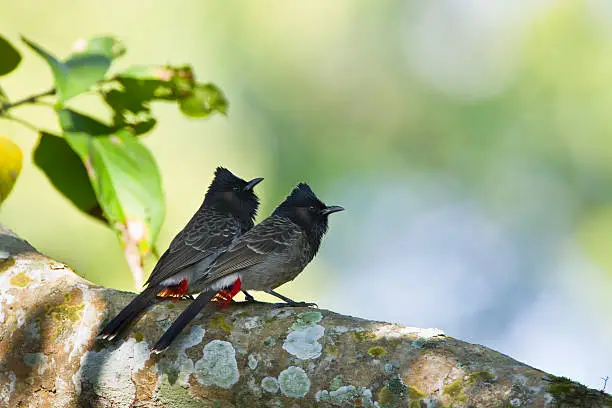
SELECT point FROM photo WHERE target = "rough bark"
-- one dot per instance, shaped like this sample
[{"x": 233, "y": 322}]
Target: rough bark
[{"x": 253, "y": 355}]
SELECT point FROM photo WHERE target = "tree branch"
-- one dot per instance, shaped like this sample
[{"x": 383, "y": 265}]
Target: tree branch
[
  {"x": 254, "y": 355},
  {"x": 4, "y": 107}
]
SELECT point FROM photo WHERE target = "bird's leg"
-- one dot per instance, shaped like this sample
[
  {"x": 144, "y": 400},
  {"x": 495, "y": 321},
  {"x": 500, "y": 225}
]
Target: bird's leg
[
  {"x": 248, "y": 297},
  {"x": 289, "y": 302}
]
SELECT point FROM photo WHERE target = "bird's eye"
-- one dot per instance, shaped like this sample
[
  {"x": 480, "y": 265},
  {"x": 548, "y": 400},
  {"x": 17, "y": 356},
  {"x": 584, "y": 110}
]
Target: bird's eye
[
  {"x": 236, "y": 189},
  {"x": 311, "y": 208}
]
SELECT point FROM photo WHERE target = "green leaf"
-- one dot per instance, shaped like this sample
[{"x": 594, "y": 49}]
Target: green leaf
[
  {"x": 133, "y": 90},
  {"x": 155, "y": 82},
  {"x": 204, "y": 100},
  {"x": 130, "y": 102},
  {"x": 124, "y": 176},
  {"x": 153, "y": 72},
  {"x": 9, "y": 57},
  {"x": 82, "y": 71},
  {"x": 107, "y": 46},
  {"x": 77, "y": 74},
  {"x": 3, "y": 97},
  {"x": 73, "y": 122},
  {"x": 130, "y": 176},
  {"x": 65, "y": 170}
]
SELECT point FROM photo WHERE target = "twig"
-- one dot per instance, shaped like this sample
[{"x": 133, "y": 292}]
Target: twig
[
  {"x": 44, "y": 103},
  {"x": 605, "y": 383},
  {"x": 134, "y": 260},
  {"x": 132, "y": 255},
  {"x": 31, "y": 99},
  {"x": 21, "y": 122}
]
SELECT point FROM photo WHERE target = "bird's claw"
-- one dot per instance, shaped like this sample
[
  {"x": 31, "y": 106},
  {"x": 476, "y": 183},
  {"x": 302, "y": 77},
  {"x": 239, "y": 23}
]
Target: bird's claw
[
  {"x": 296, "y": 304},
  {"x": 248, "y": 297}
]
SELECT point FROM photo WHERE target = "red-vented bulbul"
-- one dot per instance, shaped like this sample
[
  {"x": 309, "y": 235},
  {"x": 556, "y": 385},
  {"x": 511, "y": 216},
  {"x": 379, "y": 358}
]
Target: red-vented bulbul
[
  {"x": 270, "y": 254},
  {"x": 228, "y": 211}
]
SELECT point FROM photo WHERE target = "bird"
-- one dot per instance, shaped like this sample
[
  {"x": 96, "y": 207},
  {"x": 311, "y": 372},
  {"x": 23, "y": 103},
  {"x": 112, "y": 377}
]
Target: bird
[
  {"x": 228, "y": 211},
  {"x": 272, "y": 253}
]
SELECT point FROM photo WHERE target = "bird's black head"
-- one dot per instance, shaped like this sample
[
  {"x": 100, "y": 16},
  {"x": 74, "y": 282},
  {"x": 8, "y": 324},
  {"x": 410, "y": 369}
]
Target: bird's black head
[
  {"x": 304, "y": 208},
  {"x": 231, "y": 194}
]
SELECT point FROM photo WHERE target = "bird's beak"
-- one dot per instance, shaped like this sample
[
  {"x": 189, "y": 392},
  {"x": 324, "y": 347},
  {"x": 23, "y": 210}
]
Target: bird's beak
[
  {"x": 252, "y": 183},
  {"x": 331, "y": 209}
]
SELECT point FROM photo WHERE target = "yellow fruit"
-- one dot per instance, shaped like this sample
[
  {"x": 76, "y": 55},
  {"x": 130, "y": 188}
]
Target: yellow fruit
[{"x": 10, "y": 166}]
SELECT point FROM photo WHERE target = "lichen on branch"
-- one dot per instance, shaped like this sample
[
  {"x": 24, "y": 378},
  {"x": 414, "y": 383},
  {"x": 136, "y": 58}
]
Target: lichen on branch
[{"x": 243, "y": 356}]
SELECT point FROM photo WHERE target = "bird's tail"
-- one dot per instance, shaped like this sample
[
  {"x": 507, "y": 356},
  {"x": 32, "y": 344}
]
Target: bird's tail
[
  {"x": 130, "y": 312},
  {"x": 183, "y": 320}
]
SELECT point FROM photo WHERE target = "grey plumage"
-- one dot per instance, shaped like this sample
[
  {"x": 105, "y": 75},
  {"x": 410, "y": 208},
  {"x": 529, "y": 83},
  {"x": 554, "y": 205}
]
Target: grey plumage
[
  {"x": 206, "y": 235},
  {"x": 227, "y": 212},
  {"x": 270, "y": 254},
  {"x": 273, "y": 253}
]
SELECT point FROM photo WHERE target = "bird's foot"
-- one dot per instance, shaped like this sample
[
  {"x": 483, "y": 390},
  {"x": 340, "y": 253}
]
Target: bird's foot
[
  {"x": 290, "y": 302},
  {"x": 248, "y": 298},
  {"x": 253, "y": 301},
  {"x": 296, "y": 304}
]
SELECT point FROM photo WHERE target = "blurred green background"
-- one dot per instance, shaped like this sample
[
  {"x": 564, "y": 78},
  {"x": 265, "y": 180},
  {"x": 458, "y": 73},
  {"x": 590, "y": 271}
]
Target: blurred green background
[{"x": 470, "y": 141}]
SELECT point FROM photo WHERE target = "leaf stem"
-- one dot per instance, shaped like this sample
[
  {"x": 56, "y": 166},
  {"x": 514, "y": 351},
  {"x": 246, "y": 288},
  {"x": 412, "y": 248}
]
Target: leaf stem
[
  {"x": 31, "y": 99},
  {"x": 21, "y": 122}
]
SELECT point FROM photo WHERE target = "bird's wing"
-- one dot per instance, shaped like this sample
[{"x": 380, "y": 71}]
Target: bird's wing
[
  {"x": 273, "y": 235},
  {"x": 205, "y": 235}
]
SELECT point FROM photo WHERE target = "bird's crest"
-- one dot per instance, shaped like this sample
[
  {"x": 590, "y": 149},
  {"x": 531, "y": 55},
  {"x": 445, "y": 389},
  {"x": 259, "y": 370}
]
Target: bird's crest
[
  {"x": 301, "y": 196},
  {"x": 225, "y": 179},
  {"x": 303, "y": 192},
  {"x": 227, "y": 194}
]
